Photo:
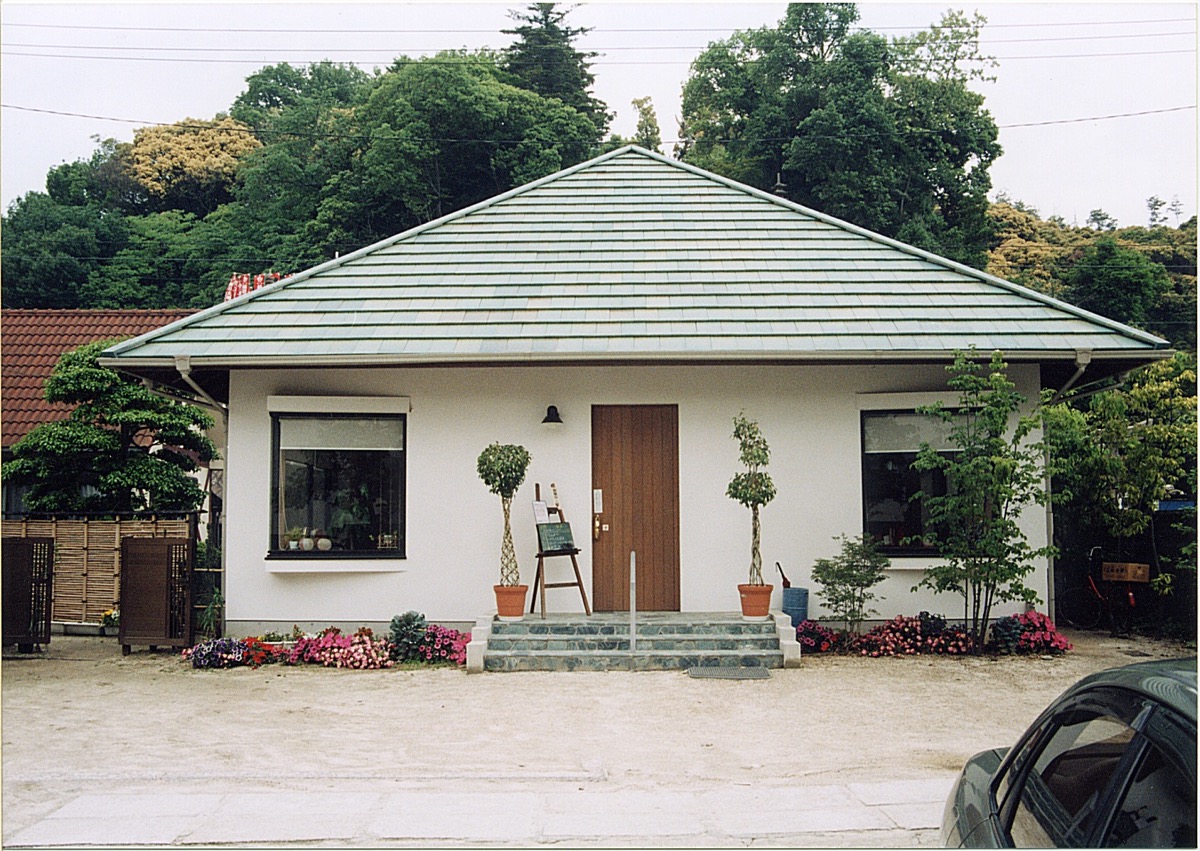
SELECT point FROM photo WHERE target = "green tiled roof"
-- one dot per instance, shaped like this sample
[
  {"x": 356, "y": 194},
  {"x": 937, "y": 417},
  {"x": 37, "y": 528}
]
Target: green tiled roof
[{"x": 632, "y": 256}]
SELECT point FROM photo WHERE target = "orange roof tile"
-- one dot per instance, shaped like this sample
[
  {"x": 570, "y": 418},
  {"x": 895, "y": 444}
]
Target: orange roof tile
[{"x": 31, "y": 342}]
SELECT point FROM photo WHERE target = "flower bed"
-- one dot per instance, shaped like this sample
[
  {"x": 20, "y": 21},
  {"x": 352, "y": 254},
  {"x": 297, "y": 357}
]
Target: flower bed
[
  {"x": 330, "y": 648},
  {"x": 1028, "y": 633},
  {"x": 909, "y": 636}
]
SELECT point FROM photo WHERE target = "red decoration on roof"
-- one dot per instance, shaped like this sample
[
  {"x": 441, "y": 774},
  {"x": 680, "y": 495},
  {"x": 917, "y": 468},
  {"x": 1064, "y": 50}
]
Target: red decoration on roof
[
  {"x": 241, "y": 283},
  {"x": 31, "y": 342}
]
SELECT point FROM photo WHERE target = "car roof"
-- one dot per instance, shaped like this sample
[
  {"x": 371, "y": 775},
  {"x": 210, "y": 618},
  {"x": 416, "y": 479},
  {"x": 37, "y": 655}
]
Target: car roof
[{"x": 1172, "y": 682}]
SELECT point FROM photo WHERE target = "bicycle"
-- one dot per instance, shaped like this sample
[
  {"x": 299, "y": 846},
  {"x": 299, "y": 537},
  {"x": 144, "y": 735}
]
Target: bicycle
[{"x": 1083, "y": 606}]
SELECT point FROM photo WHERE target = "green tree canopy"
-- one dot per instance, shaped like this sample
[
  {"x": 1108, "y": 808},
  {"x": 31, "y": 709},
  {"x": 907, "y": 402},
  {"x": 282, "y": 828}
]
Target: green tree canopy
[
  {"x": 885, "y": 135},
  {"x": 437, "y": 135},
  {"x": 1118, "y": 452},
  {"x": 122, "y": 449},
  {"x": 51, "y": 248},
  {"x": 281, "y": 90},
  {"x": 1096, "y": 268},
  {"x": 1116, "y": 282}
]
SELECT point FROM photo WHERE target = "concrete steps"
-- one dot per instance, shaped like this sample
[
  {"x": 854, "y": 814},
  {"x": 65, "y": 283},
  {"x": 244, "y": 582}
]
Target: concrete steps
[{"x": 665, "y": 641}]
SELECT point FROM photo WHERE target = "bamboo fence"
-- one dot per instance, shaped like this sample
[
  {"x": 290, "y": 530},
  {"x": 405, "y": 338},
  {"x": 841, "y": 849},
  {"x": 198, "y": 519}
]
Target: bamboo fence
[{"x": 87, "y": 558}]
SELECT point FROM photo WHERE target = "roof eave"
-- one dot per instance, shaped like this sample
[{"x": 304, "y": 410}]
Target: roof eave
[{"x": 867, "y": 356}]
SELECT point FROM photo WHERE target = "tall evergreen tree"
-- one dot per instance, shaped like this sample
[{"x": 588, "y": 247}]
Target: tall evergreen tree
[
  {"x": 647, "y": 134},
  {"x": 544, "y": 60}
]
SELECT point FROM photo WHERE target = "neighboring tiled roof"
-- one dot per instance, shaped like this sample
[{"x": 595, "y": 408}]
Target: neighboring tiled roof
[
  {"x": 31, "y": 342},
  {"x": 634, "y": 256}
]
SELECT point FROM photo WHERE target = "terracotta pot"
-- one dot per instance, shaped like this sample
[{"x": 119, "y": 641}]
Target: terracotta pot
[
  {"x": 756, "y": 601},
  {"x": 510, "y": 601}
]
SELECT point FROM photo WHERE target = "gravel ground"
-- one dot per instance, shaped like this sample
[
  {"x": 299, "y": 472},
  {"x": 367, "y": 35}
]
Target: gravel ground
[{"x": 79, "y": 716}]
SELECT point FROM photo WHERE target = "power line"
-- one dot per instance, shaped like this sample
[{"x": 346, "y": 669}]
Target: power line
[
  {"x": 214, "y": 61},
  {"x": 264, "y": 132},
  {"x": 456, "y": 31},
  {"x": 154, "y": 48},
  {"x": 1097, "y": 117}
]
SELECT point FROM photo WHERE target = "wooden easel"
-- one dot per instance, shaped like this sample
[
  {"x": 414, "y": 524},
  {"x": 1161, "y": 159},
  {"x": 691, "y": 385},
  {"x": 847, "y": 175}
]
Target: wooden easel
[{"x": 539, "y": 580}]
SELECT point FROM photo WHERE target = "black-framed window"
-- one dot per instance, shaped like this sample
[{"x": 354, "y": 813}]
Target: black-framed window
[
  {"x": 890, "y": 442},
  {"x": 338, "y": 485}
]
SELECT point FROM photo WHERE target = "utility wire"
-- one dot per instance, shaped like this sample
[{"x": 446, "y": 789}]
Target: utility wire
[
  {"x": 358, "y": 31},
  {"x": 213, "y": 61},
  {"x": 1177, "y": 33},
  {"x": 265, "y": 132}
]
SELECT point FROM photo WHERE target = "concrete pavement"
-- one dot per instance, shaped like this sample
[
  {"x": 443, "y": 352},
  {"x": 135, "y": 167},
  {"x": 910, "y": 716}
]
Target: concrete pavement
[{"x": 583, "y": 811}]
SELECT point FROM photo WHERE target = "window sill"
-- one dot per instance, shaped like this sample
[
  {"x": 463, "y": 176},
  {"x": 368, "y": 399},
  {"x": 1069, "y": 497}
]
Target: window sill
[
  {"x": 280, "y": 561},
  {"x": 911, "y": 555}
]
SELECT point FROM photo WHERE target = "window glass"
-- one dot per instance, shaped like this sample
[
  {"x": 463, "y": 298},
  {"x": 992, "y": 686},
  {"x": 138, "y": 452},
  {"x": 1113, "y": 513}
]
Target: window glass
[
  {"x": 890, "y": 443},
  {"x": 1058, "y": 800},
  {"x": 1158, "y": 811},
  {"x": 339, "y": 485}
]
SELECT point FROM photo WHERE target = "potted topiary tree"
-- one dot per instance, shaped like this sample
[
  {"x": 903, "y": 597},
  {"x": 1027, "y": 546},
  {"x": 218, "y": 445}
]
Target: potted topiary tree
[
  {"x": 753, "y": 488},
  {"x": 502, "y": 468}
]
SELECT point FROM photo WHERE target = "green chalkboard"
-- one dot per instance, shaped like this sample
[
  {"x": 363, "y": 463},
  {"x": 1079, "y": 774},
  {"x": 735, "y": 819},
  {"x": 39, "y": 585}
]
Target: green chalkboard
[{"x": 555, "y": 538}]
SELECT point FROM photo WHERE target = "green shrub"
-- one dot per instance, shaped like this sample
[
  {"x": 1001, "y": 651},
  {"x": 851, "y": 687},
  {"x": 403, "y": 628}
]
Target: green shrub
[{"x": 846, "y": 578}]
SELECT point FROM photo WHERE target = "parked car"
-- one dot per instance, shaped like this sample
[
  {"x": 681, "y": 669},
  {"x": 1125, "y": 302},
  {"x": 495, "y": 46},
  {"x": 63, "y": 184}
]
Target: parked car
[{"x": 1111, "y": 763}]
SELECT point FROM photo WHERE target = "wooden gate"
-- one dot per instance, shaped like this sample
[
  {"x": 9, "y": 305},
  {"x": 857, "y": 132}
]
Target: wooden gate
[
  {"x": 156, "y": 593},
  {"x": 635, "y": 468},
  {"x": 28, "y": 569}
]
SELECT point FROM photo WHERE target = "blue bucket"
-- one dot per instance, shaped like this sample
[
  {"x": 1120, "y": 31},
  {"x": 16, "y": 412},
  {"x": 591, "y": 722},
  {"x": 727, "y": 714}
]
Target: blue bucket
[{"x": 795, "y": 603}]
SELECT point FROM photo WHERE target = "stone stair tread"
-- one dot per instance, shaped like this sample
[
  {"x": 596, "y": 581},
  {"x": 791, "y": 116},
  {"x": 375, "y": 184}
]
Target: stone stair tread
[
  {"x": 627, "y": 653},
  {"x": 665, "y": 641}
]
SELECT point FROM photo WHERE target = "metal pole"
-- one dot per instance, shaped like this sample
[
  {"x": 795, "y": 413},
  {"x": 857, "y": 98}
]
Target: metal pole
[{"x": 632, "y": 602}]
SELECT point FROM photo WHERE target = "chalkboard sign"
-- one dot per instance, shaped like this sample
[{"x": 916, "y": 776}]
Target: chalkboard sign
[{"x": 555, "y": 538}]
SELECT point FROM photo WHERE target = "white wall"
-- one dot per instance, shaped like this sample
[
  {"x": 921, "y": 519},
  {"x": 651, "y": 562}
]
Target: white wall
[{"x": 809, "y": 415}]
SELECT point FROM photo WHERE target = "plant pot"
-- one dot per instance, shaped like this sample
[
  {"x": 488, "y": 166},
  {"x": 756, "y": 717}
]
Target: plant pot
[
  {"x": 510, "y": 601},
  {"x": 756, "y": 601}
]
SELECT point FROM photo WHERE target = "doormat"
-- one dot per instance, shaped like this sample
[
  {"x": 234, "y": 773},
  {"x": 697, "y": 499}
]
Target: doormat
[{"x": 712, "y": 672}]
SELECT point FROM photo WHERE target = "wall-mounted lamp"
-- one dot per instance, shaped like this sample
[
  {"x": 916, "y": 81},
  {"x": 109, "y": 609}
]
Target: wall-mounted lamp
[{"x": 552, "y": 418}]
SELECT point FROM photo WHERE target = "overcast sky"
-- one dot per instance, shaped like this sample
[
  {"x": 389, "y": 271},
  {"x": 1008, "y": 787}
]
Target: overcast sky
[{"x": 1095, "y": 101}]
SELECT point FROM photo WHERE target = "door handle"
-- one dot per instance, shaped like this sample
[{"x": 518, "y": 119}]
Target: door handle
[{"x": 595, "y": 527}]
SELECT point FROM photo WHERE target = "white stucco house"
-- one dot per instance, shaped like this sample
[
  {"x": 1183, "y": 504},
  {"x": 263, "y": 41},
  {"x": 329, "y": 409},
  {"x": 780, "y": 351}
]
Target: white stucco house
[{"x": 648, "y": 302}]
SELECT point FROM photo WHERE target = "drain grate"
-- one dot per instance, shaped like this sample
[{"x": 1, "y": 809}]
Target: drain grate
[{"x": 718, "y": 672}]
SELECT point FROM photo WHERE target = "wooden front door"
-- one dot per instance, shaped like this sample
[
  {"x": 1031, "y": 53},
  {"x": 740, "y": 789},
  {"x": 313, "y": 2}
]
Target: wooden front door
[{"x": 635, "y": 467}]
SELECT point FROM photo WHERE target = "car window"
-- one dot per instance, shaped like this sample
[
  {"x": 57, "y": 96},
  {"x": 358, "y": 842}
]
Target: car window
[
  {"x": 1057, "y": 804},
  {"x": 1158, "y": 811},
  {"x": 1159, "y": 808}
]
